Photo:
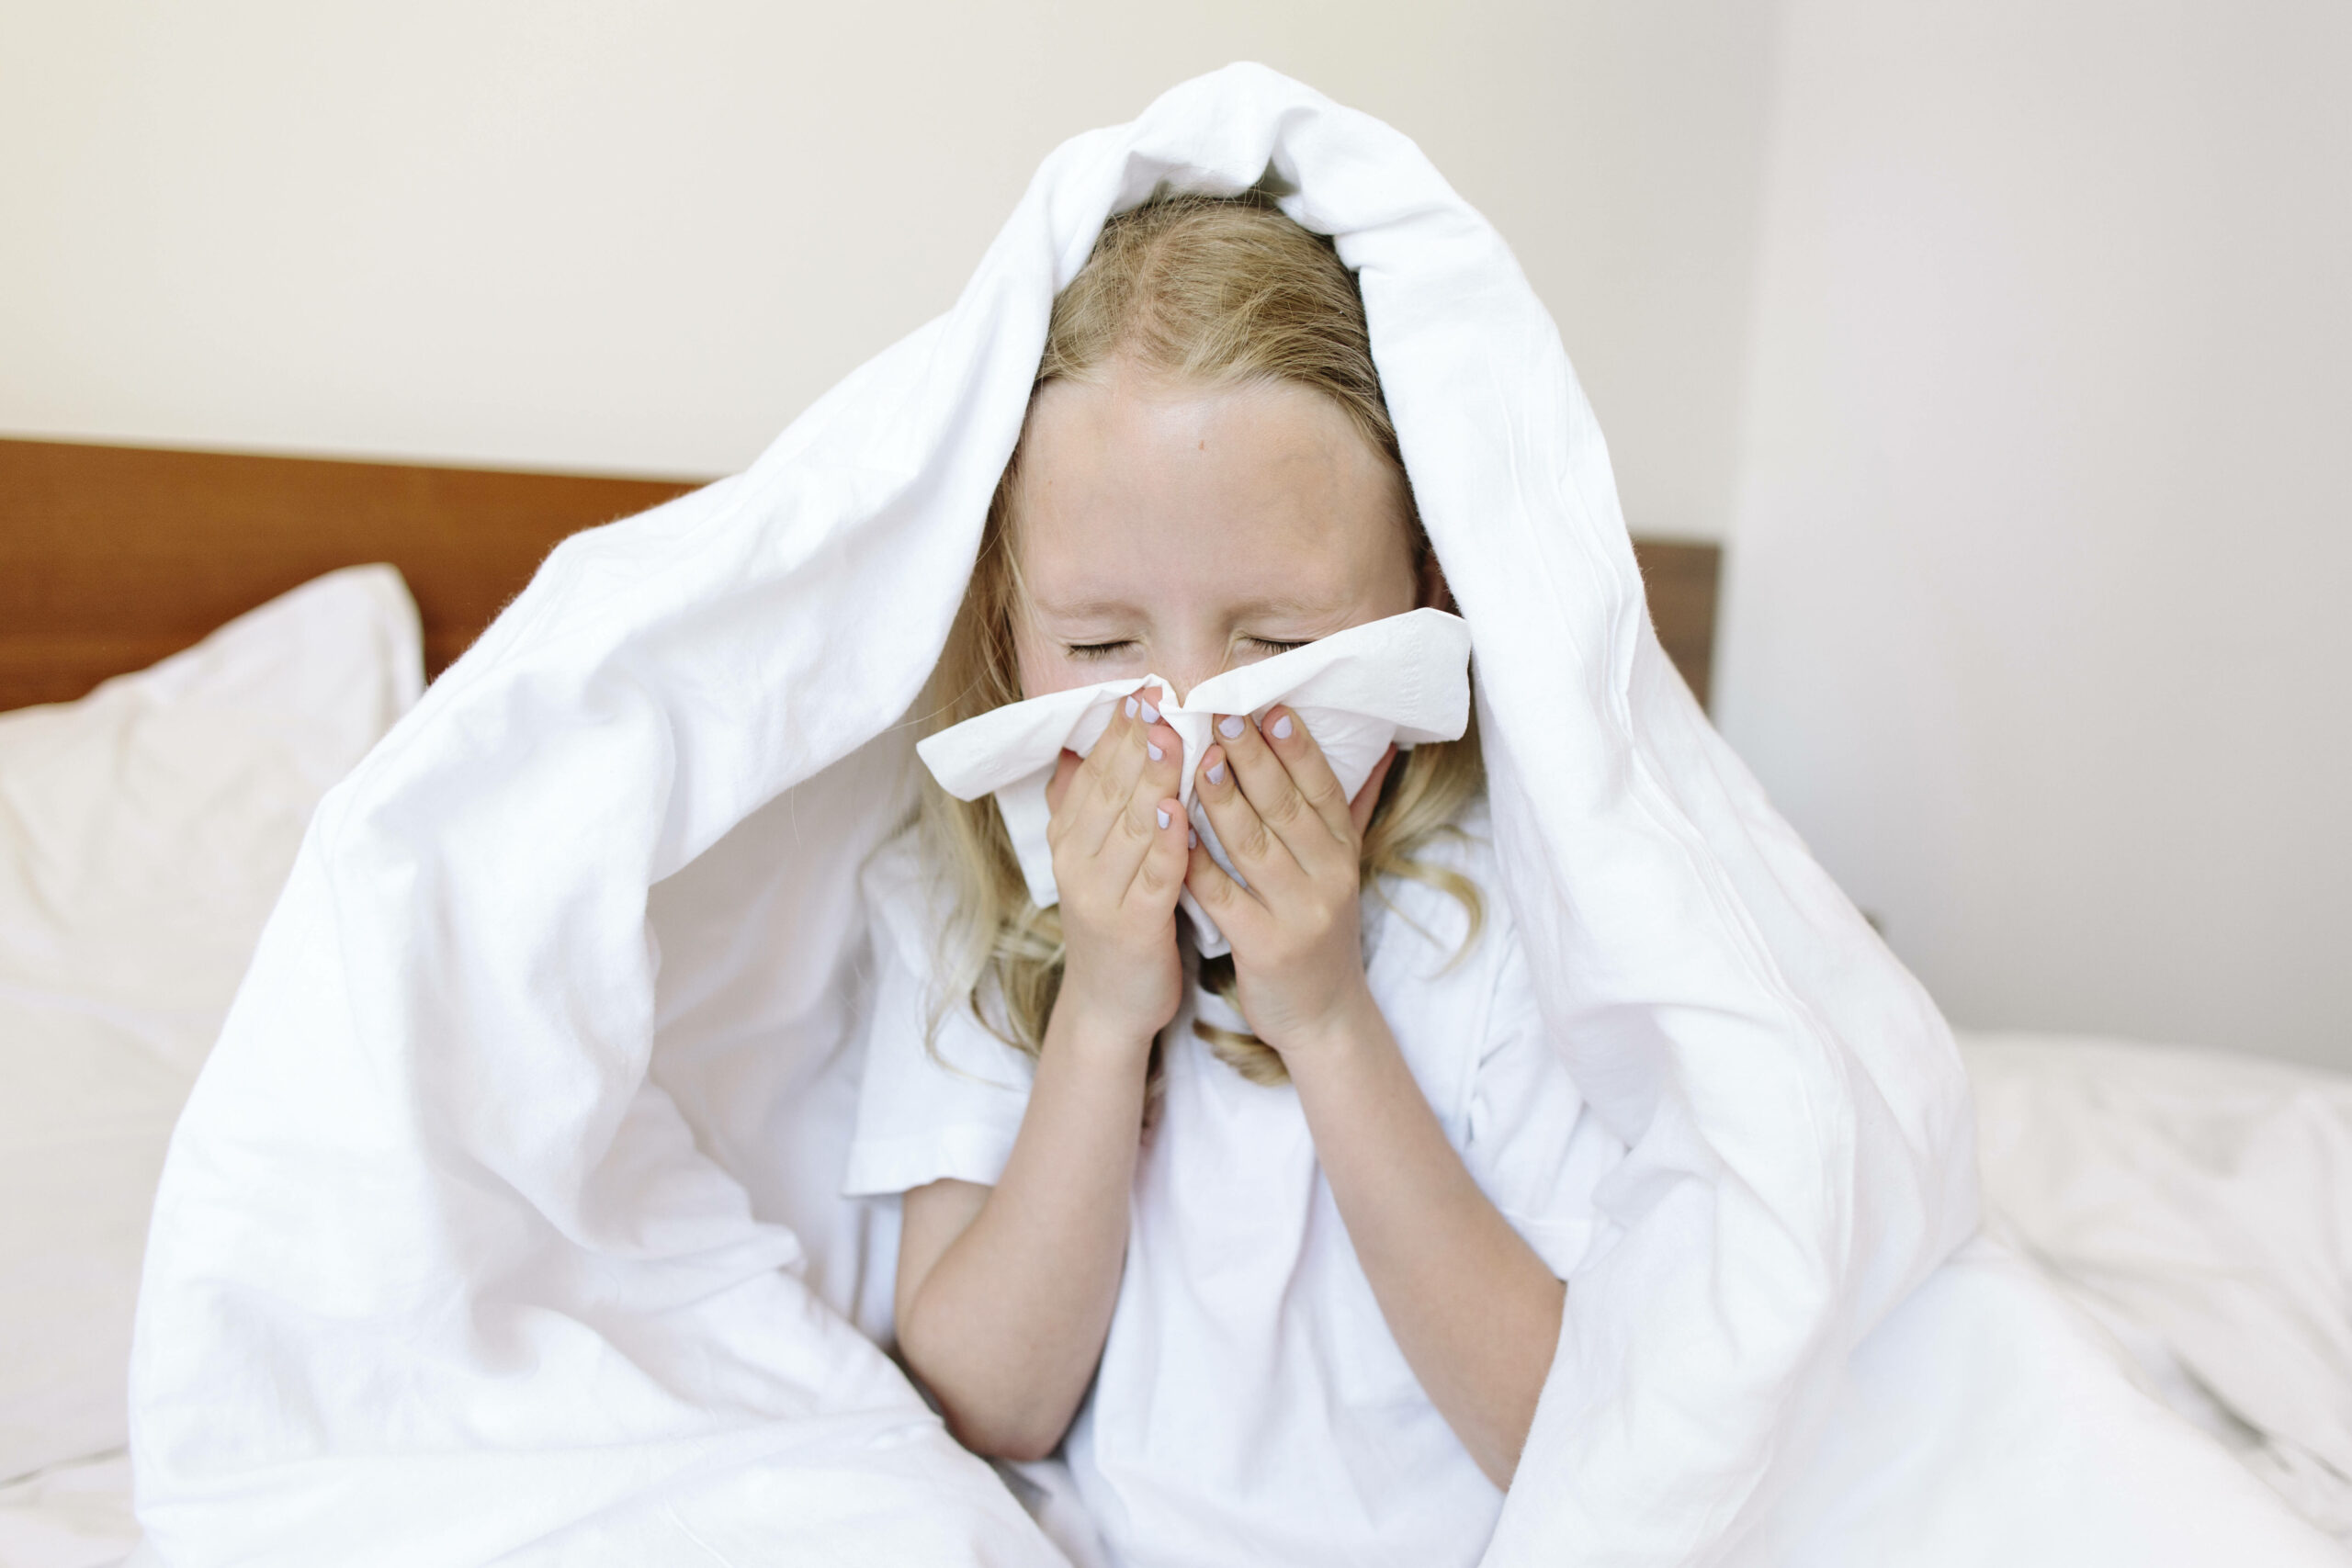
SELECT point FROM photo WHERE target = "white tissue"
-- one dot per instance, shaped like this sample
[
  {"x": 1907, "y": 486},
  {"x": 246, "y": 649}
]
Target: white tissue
[{"x": 1404, "y": 679}]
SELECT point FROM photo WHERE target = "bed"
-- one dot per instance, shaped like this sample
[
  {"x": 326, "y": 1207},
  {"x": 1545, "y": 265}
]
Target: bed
[{"x": 216, "y": 636}]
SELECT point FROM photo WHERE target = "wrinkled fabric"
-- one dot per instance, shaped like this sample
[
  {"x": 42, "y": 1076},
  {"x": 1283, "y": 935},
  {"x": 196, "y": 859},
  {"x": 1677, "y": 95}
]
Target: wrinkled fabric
[
  {"x": 144, "y": 832},
  {"x": 503, "y": 1224},
  {"x": 2191, "y": 1201}
]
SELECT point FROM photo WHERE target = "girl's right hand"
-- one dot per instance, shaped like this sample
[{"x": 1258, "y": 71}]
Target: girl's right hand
[{"x": 1119, "y": 840}]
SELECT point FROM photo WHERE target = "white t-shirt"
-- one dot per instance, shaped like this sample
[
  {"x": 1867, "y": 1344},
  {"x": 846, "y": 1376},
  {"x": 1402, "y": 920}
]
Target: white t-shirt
[{"x": 1251, "y": 1405}]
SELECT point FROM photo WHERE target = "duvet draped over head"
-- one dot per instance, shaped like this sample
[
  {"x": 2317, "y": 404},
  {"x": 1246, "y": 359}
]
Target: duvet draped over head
[{"x": 503, "y": 1218}]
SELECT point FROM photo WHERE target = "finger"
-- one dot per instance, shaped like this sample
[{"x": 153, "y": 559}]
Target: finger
[
  {"x": 1367, "y": 799},
  {"x": 1310, "y": 770},
  {"x": 1265, "y": 862},
  {"x": 1268, "y": 787},
  {"x": 1066, "y": 768},
  {"x": 1237, "y": 910},
  {"x": 1108, "y": 781},
  {"x": 1129, "y": 836},
  {"x": 1162, "y": 758},
  {"x": 1160, "y": 874}
]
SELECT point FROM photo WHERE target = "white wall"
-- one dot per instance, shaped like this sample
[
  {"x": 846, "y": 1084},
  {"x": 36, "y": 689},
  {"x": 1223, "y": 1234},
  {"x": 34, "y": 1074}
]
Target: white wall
[
  {"x": 2038, "y": 619},
  {"x": 633, "y": 237}
]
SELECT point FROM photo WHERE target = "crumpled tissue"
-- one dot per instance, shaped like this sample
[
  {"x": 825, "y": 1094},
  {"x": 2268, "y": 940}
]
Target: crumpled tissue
[{"x": 1404, "y": 679}]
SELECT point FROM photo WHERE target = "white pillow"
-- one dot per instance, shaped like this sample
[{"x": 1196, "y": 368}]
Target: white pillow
[{"x": 144, "y": 834}]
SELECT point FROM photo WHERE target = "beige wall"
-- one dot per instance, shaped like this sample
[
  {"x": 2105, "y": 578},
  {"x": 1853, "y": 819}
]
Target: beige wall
[
  {"x": 2019, "y": 370},
  {"x": 642, "y": 237},
  {"x": 2038, "y": 622}
]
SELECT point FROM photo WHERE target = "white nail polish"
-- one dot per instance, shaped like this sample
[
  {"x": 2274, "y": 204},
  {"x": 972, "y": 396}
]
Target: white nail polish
[
  {"x": 1191, "y": 839},
  {"x": 1163, "y": 818},
  {"x": 1229, "y": 726},
  {"x": 1216, "y": 774},
  {"x": 1155, "y": 753},
  {"x": 1134, "y": 707},
  {"x": 1282, "y": 728},
  {"x": 1151, "y": 712}
]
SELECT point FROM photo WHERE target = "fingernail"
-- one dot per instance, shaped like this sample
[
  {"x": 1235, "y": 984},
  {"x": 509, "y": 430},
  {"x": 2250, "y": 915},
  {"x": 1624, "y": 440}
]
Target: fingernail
[
  {"x": 1155, "y": 753},
  {"x": 1229, "y": 726},
  {"x": 1151, "y": 712},
  {"x": 1163, "y": 818},
  {"x": 1216, "y": 773},
  {"x": 1133, "y": 707},
  {"x": 1282, "y": 728},
  {"x": 1191, "y": 839}
]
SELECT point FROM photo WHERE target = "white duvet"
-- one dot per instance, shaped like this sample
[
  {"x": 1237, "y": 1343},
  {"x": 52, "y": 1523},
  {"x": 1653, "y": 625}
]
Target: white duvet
[{"x": 502, "y": 1225}]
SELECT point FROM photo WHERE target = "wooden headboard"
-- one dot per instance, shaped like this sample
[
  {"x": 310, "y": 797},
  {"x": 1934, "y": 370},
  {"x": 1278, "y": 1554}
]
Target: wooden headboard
[{"x": 113, "y": 557}]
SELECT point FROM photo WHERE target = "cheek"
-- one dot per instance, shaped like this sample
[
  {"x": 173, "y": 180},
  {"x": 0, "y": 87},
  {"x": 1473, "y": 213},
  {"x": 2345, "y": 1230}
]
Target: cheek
[
  {"x": 1406, "y": 592},
  {"x": 1399, "y": 586},
  {"x": 1040, "y": 665},
  {"x": 1030, "y": 665}
]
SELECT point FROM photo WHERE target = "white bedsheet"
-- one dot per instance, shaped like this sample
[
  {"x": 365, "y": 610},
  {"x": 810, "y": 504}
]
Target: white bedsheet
[
  {"x": 1986, "y": 1425},
  {"x": 70, "y": 1515},
  {"x": 2198, "y": 1204}
]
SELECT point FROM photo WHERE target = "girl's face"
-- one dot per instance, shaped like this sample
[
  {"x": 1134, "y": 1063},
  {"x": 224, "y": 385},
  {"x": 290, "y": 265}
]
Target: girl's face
[{"x": 1166, "y": 528}]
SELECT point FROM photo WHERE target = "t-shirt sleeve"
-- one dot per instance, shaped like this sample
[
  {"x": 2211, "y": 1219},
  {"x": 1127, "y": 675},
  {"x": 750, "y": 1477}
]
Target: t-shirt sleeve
[
  {"x": 935, "y": 1101},
  {"x": 1533, "y": 1146}
]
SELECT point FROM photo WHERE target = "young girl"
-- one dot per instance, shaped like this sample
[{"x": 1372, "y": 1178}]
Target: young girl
[{"x": 1274, "y": 1244}]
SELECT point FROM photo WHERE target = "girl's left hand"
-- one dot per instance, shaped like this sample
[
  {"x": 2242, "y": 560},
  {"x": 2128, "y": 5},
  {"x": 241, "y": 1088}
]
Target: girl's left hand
[{"x": 1297, "y": 840}]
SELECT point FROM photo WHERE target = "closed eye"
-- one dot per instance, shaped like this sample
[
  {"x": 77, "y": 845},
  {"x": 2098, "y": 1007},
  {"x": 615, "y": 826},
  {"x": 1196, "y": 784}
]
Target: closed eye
[
  {"x": 1096, "y": 649},
  {"x": 1269, "y": 645}
]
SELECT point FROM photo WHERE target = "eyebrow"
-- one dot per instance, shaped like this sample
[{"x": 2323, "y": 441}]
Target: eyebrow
[{"x": 1083, "y": 609}]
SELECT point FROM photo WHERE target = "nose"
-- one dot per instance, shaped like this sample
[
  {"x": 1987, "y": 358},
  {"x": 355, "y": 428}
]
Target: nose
[
  {"x": 1186, "y": 661},
  {"x": 1188, "y": 676}
]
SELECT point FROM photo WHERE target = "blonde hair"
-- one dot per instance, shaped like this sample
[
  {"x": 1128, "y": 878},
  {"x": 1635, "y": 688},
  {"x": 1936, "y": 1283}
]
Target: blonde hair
[{"x": 1218, "y": 292}]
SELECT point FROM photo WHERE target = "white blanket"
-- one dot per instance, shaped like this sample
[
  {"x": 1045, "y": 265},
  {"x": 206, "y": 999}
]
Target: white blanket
[{"x": 502, "y": 1225}]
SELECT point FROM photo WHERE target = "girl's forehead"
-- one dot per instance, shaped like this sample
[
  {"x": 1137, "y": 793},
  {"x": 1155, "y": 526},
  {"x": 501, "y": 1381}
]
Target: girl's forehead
[{"x": 1130, "y": 478}]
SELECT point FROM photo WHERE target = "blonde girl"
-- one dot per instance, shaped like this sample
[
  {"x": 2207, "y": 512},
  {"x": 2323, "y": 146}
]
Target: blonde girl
[{"x": 1270, "y": 1247}]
